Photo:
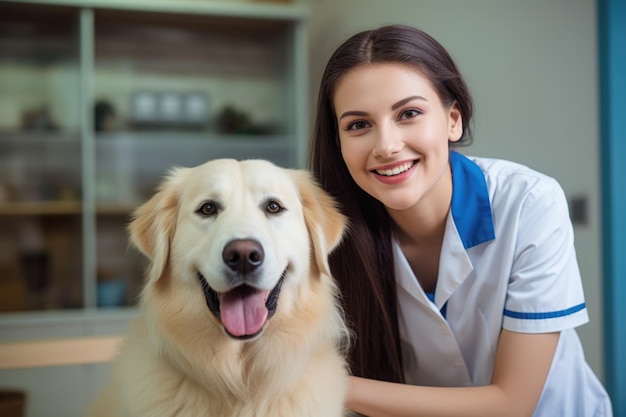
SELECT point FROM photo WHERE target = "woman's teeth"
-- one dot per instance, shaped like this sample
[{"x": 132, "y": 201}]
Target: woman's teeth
[{"x": 395, "y": 171}]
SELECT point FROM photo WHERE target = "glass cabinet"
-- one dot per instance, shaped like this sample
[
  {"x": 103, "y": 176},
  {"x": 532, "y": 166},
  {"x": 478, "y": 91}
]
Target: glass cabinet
[
  {"x": 100, "y": 99},
  {"x": 41, "y": 231}
]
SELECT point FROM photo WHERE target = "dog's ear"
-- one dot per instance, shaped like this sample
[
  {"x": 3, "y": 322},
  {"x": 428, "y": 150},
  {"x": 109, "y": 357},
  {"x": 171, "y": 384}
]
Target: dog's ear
[
  {"x": 323, "y": 219},
  {"x": 154, "y": 223}
]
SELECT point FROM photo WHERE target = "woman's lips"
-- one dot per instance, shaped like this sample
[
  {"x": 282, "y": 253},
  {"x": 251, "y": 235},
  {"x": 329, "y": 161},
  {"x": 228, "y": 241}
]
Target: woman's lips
[{"x": 395, "y": 174}]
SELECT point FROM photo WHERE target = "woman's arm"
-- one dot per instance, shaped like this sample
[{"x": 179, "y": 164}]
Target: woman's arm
[{"x": 521, "y": 367}]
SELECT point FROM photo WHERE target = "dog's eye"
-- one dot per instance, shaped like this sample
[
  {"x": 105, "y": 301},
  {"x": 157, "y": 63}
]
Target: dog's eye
[
  {"x": 208, "y": 208},
  {"x": 273, "y": 207}
]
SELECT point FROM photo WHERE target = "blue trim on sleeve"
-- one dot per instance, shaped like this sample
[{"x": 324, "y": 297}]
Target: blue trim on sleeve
[
  {"x": 471, "y": 209},
  {"x": 546, "y": 315}
]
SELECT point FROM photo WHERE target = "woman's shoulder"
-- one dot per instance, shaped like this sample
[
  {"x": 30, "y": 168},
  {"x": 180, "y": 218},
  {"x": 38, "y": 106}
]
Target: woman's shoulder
[
  {"x": 524, "y": 202},
  {"x": 506, "y": 176}
]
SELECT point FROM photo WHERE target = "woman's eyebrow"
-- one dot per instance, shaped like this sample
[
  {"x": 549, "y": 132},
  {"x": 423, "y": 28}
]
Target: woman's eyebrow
[
  {"x": 353, "y": 113},
  {"x": 406, "y": 100},
  {"x": 393, "y": 107}
]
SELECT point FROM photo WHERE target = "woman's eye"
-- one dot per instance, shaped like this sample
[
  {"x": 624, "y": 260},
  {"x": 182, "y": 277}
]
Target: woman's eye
[
  {"x": 410, "y": 113},
  {"x": 273, "y": 207},
  {"x": 208, "y": 209},
  {"x": 358, "y": 125}
]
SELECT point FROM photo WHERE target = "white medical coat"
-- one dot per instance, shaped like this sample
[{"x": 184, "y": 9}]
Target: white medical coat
[{"x": 508, "y": 261}]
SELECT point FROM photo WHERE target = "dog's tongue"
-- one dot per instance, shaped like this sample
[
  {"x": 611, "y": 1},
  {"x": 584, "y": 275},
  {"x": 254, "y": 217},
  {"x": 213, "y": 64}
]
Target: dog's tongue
[{"x": 243, "y": 311}]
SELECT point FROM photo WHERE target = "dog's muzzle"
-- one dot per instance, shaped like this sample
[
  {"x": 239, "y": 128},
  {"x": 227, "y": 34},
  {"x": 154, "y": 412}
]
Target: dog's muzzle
[
  {"x": 244, "y": 309},
  {"x": 247, "y": 299}
]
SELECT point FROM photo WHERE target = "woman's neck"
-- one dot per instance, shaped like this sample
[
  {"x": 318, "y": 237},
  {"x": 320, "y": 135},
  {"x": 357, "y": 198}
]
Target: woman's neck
[
  {"x": 424, "y": 223},
  {"x": 420, "y": 230}
]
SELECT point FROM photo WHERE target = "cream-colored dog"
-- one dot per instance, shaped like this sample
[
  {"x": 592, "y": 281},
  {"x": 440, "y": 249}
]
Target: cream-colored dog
[{"x": 239, "y": 315}]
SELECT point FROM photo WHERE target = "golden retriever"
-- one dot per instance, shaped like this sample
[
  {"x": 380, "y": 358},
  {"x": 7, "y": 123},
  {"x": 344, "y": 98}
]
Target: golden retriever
[{"x": 239, "y": 314}]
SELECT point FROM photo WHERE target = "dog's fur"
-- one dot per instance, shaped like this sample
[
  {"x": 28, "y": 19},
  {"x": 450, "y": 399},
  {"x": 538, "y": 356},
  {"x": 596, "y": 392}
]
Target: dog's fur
[{"x": 179, "y": 359}]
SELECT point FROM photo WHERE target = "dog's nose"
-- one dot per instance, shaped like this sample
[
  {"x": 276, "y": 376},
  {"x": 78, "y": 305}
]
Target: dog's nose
[{"x": 243, "y": 255}]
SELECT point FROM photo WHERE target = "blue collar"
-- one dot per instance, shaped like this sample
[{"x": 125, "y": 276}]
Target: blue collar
[{"x": 470, "y": 208}]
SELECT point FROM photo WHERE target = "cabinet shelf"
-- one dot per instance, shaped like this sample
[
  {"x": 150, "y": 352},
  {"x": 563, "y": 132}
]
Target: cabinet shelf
[
  {"x": 196, "y": 137},
  {"x": 40, "y": 208},
  {"x": 62, "y": 208},
  {"x": 257, "y": 10},
  {"x": 38, "y": 137}
]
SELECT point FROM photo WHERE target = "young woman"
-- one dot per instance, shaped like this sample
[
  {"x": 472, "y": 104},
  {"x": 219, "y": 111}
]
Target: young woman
[{"x": 458, "y": 275}]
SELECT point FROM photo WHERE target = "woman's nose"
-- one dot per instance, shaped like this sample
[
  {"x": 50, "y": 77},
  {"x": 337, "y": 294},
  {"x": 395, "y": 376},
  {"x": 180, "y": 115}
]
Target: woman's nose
[{"x": 388, "y": 142}]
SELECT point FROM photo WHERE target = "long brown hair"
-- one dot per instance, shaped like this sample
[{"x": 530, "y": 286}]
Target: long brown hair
[{"x": 363, "y": 263}]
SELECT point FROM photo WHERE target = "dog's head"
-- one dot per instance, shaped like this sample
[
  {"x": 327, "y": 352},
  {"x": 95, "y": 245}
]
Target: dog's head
[{"x": 238, "y": 232}]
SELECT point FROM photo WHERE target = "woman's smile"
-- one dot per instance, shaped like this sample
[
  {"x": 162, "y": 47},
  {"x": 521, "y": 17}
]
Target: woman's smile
[{"x": 394, "y": 174}]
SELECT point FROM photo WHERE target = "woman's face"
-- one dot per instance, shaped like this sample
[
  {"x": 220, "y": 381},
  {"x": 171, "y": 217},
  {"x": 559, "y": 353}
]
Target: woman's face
[{"x": 394, "y": 132}]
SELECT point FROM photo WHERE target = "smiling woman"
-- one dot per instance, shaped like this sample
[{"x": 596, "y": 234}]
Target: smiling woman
[{"x": 458, "y": 274}]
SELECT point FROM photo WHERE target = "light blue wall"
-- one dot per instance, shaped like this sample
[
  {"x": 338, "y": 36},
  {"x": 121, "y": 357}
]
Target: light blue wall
[{"x": 612, "y": 30}]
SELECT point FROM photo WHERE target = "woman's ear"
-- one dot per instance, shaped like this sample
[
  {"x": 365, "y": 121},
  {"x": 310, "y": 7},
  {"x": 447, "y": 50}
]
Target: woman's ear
[{"x": 455, "y": 123}]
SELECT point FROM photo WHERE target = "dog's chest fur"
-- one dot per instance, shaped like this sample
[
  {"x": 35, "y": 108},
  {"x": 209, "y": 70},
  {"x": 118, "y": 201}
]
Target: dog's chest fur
[{"x": 158, "y": 388}]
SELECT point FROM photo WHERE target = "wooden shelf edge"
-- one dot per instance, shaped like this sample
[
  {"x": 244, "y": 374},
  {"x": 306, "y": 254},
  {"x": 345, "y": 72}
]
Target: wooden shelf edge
[
  {"x": 59, "y": 352},
  {"x": 60, "y": 208},
  {"x": 43, "y": 208}
]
